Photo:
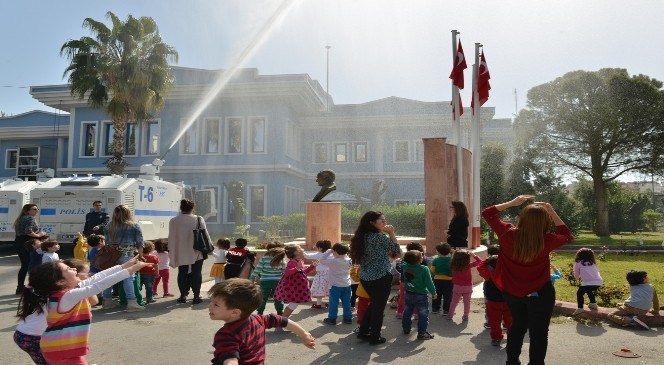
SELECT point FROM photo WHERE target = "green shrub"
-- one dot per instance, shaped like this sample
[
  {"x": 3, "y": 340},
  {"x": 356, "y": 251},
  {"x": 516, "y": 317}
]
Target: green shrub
[{"x": 610, "y": 295}]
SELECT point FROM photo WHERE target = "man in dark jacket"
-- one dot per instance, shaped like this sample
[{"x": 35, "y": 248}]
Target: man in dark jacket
[{"x": 95, "y": 221}]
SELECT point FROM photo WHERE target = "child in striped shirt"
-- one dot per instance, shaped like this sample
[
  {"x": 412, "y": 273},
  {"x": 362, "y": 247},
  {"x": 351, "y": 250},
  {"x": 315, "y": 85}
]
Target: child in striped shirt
[
  {"x": 58, "y": 288},
  {"x": 267, "y": 276}
]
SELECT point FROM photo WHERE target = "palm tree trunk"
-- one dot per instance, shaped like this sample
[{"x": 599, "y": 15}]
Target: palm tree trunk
[{"x": 116, "y": 163}]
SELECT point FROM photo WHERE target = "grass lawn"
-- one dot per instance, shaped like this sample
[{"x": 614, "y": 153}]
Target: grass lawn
[
  {"x": 587, "y": 238},
  {"x": 613, "y": 269}
]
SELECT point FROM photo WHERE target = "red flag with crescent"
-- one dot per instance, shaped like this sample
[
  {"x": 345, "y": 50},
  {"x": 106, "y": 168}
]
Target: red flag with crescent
[
  {"x": 459, "y": 65},
  {"x": 483, "y": 85}
]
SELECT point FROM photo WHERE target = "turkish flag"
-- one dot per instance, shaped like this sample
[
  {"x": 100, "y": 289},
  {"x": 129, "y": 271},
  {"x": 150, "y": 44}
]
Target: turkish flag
[
  {"x": 459, "y": 65},
  {"x": 483, "y": 85},
  {"x": 460, "y": 106}
]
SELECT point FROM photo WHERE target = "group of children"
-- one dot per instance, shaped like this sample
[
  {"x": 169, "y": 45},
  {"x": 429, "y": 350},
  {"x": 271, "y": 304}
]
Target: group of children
[{"x": 55, "y": 306}]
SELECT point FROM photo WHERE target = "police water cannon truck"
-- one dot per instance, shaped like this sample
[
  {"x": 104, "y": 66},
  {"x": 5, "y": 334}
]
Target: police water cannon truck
[
  {"x": 64, "y": 202},
  {"x": 14, "y": 193}
]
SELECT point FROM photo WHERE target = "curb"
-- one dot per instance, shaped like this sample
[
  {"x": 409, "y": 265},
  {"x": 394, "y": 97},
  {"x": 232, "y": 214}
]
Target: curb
[{"x": 567, "y": 308}]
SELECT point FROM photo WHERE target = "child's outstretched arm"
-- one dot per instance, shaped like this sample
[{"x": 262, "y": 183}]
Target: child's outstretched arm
[{"x": 306, "y": 337}]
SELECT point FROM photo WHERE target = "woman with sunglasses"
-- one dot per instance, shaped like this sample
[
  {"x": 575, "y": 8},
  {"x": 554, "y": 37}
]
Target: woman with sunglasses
[{"x": 25, "y": 228}]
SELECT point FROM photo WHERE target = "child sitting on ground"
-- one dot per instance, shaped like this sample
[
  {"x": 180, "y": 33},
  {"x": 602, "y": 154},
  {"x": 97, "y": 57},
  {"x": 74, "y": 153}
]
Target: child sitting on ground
[
  {"x": 242, "y": 337},
  {"x": 642, "y": 297},
  {"x": 417, "y": 281}
]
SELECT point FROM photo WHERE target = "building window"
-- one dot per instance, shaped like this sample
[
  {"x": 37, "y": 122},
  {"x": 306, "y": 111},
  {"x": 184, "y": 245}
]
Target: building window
[
  {"x": 256, "y": 202},
  {"x": 212, "y": 135},
  {"x": 419, "y": 151},
  {"x": 320, "y": 152},
  {"x": 216, "y": 188},
  {"x": 340, "y": 152},
  {"x": 256, "y": 141},
  {"x": 400, "y": 202},
  {"x": 401, "y": 151},
  {"x": 11, "y": 159},
  {"x": 234, "y": 135},
  {"x": 360, "y": 152},
  {"x": 152, "y": 130},
  {"x": 28, "y": 162},
  {"x": 89, "y": 139},
  {"x": 189, "y": 145},
  {"x": 293, "y": 199},
  {"x": 130, "y": 139}
]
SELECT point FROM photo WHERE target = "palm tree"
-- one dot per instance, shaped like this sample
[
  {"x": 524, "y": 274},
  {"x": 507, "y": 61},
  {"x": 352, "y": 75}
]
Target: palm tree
[{"x": 123, "y": 70}]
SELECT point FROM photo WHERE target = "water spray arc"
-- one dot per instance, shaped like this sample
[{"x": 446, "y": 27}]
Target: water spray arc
[{"x": 221, "y": 82}]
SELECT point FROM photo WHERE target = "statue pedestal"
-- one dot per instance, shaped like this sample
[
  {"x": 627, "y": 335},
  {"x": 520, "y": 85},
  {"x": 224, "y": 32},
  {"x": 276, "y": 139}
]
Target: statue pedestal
[{"x": 322, "y": 222}]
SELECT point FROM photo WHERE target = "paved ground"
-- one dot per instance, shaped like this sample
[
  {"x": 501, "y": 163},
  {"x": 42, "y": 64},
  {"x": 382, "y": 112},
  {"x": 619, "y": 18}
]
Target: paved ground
[{"x": 170, "y": 333}]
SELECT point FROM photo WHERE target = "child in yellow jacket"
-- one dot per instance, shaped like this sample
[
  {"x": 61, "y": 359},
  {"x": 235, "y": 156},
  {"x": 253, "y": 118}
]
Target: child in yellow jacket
[{"x": 362, "y": 296}]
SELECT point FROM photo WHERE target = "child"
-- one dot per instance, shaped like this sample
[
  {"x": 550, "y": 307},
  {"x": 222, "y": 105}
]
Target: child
[
  {"x": 80, "y": 247},
  {"x": 149, "y": 273},
  {"x": 585, "y": 270},
  {"x": 236, "y": 257},
  {"x": 462, "y": 280},
  {"x": 267, "y": 275},
  {"x": 219, "y": 254},
  {"x": 417, "y": 282},
  {"x": 402, "y": 298},
  {"x": 362, "y": 297},
  {"x": 497, "y": 311},
  {"x": 293, "y": 288},
  {"x": 242, "y": 337},
  {"x": 491, "y": 250},
  {"x": 161, "y": 251},
  {"x": 34, "y": 247},
  {"x": 49, "y": 249},
  {"x": 556, "y": 274},
  {"x": 442, "y": 278},
  {"x": 320, "y": 286},
  {"x": 96, "y": 242},
  {"x": 642, "y": 297},
  {"x": 339, "y": 274},
  {"x": 56, "y": 290}
]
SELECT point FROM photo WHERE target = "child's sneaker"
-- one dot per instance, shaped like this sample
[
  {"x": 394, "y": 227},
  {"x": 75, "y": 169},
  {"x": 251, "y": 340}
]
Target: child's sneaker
[
  {"x": 578, "y": 311},
  {"x": 592, "y": 306},
  {"x": 347, "y": 321},
  {"x": 168, "y": 295},
  {"x": 329, "y": 321},
  {"x": 448, "y": 317},
  {"x": 435, "y": 312},
  {"x": 134, "y": 307},
  {"x": 495, "y": 342},
  {"x": 356, "y": 330},
  {"x": 635, "y": 321},
  {"x": 406, "y": 331},
  {"x": 486, "y": 325},
  {"x": 464, "y": 318},
  {"x": 424, "y": 336}
]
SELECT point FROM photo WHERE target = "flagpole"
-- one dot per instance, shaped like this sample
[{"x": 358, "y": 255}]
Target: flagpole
[
  {"x": 477, "y": 151},
  {"x": 456, "y": 123}
]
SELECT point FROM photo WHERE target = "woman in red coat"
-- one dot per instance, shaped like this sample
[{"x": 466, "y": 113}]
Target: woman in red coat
[{"x": 522, "y": 272}]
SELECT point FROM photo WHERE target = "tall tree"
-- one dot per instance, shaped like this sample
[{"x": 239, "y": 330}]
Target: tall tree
[
  {"x": 123, "y": 70},
  {"x": 603, "y": 124}
]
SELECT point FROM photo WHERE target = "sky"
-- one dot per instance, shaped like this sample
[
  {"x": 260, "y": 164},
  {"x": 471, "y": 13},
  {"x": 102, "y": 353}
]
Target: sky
[{"x": 379, "y": 48}]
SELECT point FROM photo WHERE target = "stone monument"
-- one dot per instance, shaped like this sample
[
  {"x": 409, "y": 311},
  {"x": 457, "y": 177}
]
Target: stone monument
[{"x": 325, "y": 180}]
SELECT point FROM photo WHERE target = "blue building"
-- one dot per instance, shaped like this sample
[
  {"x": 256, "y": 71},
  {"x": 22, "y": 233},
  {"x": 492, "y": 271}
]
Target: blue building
[{"x": 272, "y": 132}]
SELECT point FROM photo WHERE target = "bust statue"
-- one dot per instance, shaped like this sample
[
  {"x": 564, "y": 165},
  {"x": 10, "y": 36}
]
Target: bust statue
[{"x": 325, "y": 180}]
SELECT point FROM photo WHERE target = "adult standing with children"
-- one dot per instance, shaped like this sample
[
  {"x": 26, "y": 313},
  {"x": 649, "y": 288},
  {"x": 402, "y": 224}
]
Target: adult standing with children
[
  {"x": 457, "y": 231},
  {"x": 25, "y": 228},
  {"x": 127, "y": 237},
  {"x": 522, "y": 272},
  {"x": 182, "y": 254},
  {"x": 370, "y": 247}
]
